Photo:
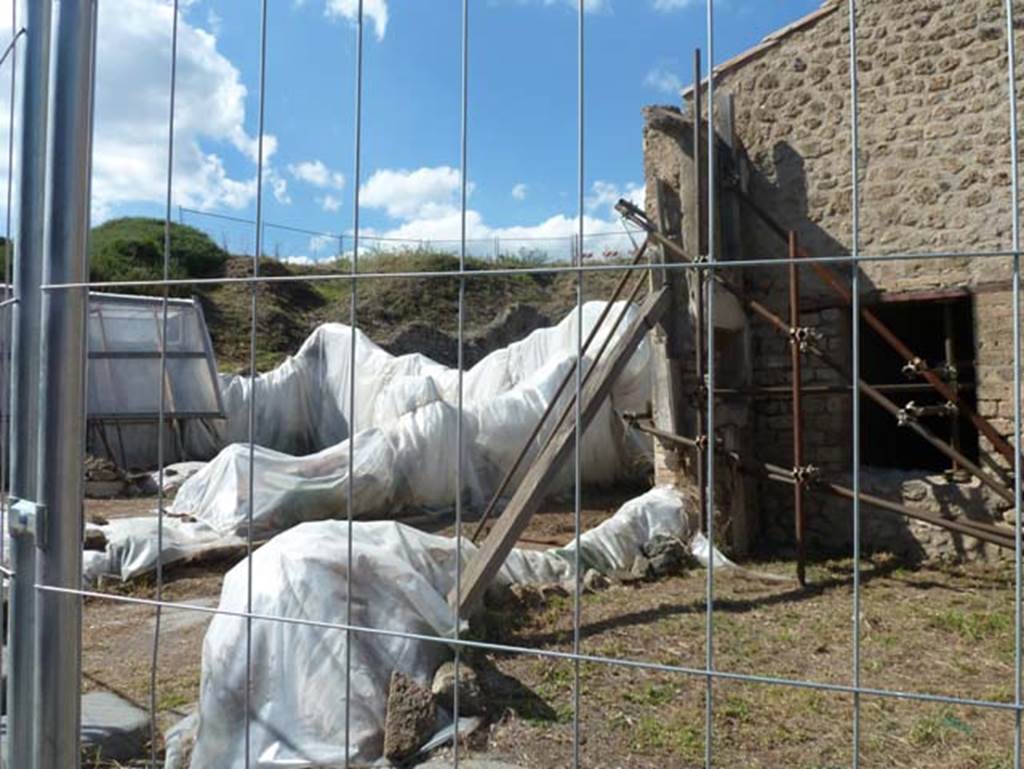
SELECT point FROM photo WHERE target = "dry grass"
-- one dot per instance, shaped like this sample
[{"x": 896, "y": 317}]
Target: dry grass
[
  {"x": 935, "y": 629},
  {"x": 289, "y": 311},
  {"x": 930, "y": 630}
]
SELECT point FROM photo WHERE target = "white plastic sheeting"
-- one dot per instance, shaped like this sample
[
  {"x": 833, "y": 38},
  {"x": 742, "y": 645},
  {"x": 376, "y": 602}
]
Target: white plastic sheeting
[
  {"x": 400, "y": 578},
  {"x": 405, "y": 452},
  {"x": 302, "y": 406}
]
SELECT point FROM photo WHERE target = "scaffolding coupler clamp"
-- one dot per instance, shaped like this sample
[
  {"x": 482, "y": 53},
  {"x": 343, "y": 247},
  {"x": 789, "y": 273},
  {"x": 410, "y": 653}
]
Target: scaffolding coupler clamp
[
  {"x": 28, "y": 517},
  {"x": 908, "y": 414},
  {"x": 804, "y": 337},
  {"x": 806, "y": 475},
  {"x": 631, "y": 212},
  {"x": 915, "y": 368}
]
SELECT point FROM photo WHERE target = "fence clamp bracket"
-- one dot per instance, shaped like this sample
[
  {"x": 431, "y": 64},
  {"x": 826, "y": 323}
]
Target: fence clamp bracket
[{"x": 28, "y": 517}]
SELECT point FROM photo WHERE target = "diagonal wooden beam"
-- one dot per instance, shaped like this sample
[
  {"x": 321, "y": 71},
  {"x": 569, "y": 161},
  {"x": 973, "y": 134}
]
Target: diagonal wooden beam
[{"x": 536, "y": 483}]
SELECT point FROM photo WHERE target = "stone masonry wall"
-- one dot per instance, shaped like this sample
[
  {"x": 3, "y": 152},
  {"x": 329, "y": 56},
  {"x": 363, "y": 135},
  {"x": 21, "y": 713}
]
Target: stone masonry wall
[{"x": 934, "y": 173}]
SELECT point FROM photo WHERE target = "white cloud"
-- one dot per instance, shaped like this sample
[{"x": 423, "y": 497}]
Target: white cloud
[
  {"x": 426, "y": 193},
  {"x": 519, "y": 191},
  {"x": 590, "y": 6},
  {"x": 604, "y": 195},
  {"x": 663, "y": 80},
  {"x": 213, "y": 21},
  {"x": 278, "y": 186},
  {"x": 314, "y": 172},
  {"x": 424, "y": 203},
  {"x": 324, "y": 244},
  {"x": 132, "y": 99},
  {"x": 673, "y": 5},
  {"x": 329, "y": 203},
  {"x": 298, "y": 259},
  {"x": 374, "y": 10}
]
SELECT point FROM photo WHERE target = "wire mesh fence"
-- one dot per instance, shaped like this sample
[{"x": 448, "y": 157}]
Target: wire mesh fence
[
  {"x": 300, "y": 246},
  {"x": 265, "y": 737}
]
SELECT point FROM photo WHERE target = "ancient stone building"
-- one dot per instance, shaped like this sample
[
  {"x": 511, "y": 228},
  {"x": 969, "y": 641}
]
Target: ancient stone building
[{"x": 935, "y": 177}]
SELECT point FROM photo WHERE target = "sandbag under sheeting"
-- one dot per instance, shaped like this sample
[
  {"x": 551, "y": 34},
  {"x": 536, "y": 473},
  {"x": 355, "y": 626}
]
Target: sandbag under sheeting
[
  {"x": 405, "y": 453},
  {"x": 400, "y": 578}
]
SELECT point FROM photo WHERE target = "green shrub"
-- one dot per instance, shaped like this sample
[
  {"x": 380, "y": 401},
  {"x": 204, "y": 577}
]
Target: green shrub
[{"x": 132, "y": 249}]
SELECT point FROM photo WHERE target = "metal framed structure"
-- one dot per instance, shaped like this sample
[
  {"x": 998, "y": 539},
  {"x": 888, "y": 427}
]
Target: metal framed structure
[
  {"x": 147, "y": 370},
  {"x": 44, "y": 573}
]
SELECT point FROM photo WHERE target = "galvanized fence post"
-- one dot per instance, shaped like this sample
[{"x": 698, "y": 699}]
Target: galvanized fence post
[
  {"x": 62, "y": 387},
  {"x": 30, "y": 174}
]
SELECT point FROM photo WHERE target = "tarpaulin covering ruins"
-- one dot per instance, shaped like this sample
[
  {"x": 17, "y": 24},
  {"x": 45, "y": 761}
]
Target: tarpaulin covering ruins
[
  {"x": 398, "y": 579},
  {"x": 403, "y": 454}
]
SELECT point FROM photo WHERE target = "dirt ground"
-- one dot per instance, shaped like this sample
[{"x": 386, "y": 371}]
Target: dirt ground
[{"x": 935, "y": 629}]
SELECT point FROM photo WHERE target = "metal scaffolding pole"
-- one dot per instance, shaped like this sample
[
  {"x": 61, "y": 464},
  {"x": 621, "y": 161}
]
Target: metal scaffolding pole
[
  {"x": 62, "y": 392},
  {"x": 952, "y": 372},
  {"x": 700, "y": 279},
  {"x": 30, "y": 174},
  {"x": 799, "y": 521},
  {"x": 902, "y": 415},
  {"x": 832, "y": 280},
  {"x": 1000, "y": 536}
]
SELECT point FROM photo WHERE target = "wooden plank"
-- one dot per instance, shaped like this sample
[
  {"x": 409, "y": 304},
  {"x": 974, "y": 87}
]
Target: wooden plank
[
  {"x": 481, "y": 570},
  {"x": 667, "y": 340},
  {"x": 742, "y": 515}
]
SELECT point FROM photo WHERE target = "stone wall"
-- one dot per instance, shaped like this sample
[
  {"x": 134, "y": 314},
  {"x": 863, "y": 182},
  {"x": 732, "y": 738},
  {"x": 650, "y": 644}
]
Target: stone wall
[{"x": 934, "y": 173}]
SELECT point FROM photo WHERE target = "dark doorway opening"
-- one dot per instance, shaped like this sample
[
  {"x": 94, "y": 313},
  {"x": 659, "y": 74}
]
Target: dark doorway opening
[{"x": 941, "y": 332}]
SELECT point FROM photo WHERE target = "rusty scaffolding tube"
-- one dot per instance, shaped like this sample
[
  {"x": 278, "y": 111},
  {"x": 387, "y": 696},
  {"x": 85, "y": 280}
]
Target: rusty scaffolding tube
[
  {"x": 952, "y": 373},
  {"x": 904, "y": 418},
  {"x": 804, "y": 343},
  {"x": 990, "y": 533},
  {"x": 566, "y": 380},
  {"x": 901, "y": 415},
  {"x": 809, "y": 389},
  {"x": 698, "y": 188},
  {"x": 799, "y": 521},
  {"x": 874, "y": 394},
  {"x": 829, "y": 277}
]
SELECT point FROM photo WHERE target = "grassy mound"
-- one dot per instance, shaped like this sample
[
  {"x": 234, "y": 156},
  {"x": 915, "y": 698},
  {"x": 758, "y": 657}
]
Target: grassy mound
[{"x": 133, "y": 249}]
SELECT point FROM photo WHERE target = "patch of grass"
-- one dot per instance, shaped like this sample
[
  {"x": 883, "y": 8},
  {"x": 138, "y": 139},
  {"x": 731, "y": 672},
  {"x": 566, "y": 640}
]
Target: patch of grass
[
  {"x": 173, "y": 700},
  {"x": 937, "y": 729},
  {"x": 556, "y": 680},
  {"x": 972, "y": 626},
  {"x": 735, "y": 709},
  {"x": 655, "y": 734},
  {"x": 651, "y": 694}
]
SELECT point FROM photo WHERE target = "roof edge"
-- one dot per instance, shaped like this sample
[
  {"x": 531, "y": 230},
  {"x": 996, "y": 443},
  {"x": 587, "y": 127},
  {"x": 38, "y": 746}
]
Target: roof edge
[{"x": 771, "y": 40}]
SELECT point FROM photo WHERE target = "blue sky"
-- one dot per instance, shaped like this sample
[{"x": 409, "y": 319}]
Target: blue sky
[{"x": 522, "y": 110}]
